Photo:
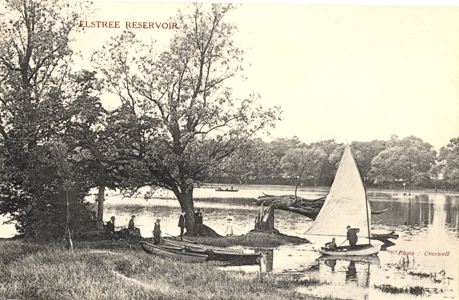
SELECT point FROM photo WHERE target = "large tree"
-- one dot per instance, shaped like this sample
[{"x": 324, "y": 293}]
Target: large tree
[
  {"x": 252, "y": 162},
  {"x": 409, "y": 160},
  {"x": 35, "y": 55},
  {"x": 449, "y": 158},
  {"x": 303, "y": 163},
  {"x": 182, "y": 115}
]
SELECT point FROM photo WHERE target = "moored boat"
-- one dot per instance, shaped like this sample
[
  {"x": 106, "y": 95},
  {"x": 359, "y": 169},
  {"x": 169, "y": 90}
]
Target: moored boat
[
  {"x": 200, "y": 247},
  {"x": 171, "y": 253},
  {"x": 234, "y": 257}
]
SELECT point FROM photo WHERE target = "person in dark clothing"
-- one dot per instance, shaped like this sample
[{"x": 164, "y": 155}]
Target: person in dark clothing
[
  {"x": 198, "y": 221},
  {"x": 181, "y": 224},
  {"x": 134, "y": 232},
  {"x": 110, "y": 227},
  {"x": 131, "y": 224},
  {"x": 352, "y": 235},
  {"x": 157, "y": 232}
]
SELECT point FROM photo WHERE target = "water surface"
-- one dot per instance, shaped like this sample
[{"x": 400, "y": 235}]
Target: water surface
[{"x": 428, "y": 225}]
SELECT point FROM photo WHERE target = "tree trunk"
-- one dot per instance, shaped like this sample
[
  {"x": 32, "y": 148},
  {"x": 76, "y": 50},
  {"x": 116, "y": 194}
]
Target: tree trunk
[
  {"x": 67, "y": 222},
  {"x": 100, "y": 207},
  {"x": 185, "y": 198}
]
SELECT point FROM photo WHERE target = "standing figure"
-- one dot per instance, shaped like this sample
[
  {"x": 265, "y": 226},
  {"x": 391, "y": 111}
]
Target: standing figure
[
  {"x": 352, "y": 235},
  {"x": 131, "y": 224},
  {"x": 198, "y": 221},
  {"x": 157, "y": 232},
  {"x": 181, "y": 224},
  {"x": 229, "y": 224}
]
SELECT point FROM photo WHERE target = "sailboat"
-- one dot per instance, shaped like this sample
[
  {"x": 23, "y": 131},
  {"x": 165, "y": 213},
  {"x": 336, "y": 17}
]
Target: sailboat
[{"x": 346, "y": 204}]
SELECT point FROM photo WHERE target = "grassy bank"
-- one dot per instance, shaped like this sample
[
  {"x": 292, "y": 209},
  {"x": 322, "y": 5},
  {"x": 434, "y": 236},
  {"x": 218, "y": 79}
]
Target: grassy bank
[
  {"x": 252, "y": 239},
  {"x": 29, "y": 271}
]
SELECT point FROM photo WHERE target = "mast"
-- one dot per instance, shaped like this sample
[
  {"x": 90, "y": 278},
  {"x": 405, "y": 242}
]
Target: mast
[{"x": 368, "y": 217}]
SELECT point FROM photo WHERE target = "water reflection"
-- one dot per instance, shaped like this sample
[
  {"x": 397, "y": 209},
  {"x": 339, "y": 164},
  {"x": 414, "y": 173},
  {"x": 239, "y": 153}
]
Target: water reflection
[
  {"x": 452, "y": 213},
  {"x": 351, "y": 272},
  {"x": 428, "y": 222},
  {"x": 417, "y": 211}
]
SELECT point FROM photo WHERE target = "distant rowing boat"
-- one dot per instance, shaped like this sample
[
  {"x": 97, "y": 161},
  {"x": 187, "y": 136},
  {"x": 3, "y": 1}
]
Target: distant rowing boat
[
  {"x": 226, "y": 190},
  {"x": 172, "y": 253}
]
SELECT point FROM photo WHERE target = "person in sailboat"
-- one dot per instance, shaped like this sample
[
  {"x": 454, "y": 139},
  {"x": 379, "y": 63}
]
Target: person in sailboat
[
  {"x": 331, "y": 245},
  {"x": 352, "y": 235}
]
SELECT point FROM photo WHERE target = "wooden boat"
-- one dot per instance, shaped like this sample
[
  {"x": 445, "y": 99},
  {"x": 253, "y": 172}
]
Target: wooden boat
[
  {"x": 346, "y": 204},
  {"x": 238, "y": 259},
  {"x": 359, "y": 250},
  {"x": 199, "y": 247},
  {"x": 234, "y": 257},
  {"x": 167, "y": 252},
  {"x": 226, "y": 190}
]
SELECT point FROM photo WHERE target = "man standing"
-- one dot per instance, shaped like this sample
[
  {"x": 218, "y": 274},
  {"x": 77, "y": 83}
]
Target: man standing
[
  {"x": 198, "y": 221},
  {"x": 157, "y": 232},
  {"x": 352, "y": 235},
  {"x": 181, "y": 224},
  {"x": 131, "y": 224}
]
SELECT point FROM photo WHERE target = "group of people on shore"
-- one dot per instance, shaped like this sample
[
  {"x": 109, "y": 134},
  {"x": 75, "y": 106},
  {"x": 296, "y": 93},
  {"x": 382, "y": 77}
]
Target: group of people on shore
[
  {"x": 131, "y": 230},
  {"x": 199, "y": 226}
]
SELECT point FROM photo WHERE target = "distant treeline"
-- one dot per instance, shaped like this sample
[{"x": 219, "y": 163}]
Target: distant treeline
[{"x": 395, "y": 163}]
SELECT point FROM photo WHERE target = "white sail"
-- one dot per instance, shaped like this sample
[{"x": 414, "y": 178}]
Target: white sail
[{"x": 345, "y": 204}]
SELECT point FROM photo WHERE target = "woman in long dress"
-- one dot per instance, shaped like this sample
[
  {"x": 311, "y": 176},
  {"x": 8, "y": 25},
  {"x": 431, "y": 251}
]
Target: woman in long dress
[{"x": 229, "y": 224}]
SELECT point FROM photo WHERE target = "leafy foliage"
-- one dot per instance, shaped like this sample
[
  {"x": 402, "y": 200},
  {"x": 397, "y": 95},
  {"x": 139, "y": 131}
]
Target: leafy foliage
[
  {"x": 409, "y": 160},
  {"x": 183, "y": 119},
  {"x": 35, "y": 90},
  {"x": 449, "y": 158}
]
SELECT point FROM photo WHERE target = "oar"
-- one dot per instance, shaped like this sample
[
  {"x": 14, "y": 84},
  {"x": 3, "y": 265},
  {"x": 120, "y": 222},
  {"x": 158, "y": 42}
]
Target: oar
[{"x": 342, "y": 243}]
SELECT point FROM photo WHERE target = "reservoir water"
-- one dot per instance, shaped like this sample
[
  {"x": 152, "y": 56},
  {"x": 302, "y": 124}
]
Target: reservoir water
[{"x": 424, "y": 263}]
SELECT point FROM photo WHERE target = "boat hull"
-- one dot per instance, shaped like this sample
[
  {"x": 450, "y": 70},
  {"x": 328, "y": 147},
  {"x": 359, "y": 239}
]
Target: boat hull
[
  {"x": 359, "y": 250},
  {"x": 234, "y": 257},
  {"x": 199, "y": 247},
  {"x": 173, "y": 253}
]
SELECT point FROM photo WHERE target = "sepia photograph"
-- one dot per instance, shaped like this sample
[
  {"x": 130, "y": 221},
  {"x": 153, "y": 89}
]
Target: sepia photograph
[{"x": 229, "y": 150}]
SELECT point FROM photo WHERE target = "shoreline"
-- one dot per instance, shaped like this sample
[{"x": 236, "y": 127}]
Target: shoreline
[{"x": 99, "y": 271}]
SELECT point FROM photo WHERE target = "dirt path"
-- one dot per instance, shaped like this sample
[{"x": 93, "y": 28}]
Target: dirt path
[{"x": 158, "y": 285}]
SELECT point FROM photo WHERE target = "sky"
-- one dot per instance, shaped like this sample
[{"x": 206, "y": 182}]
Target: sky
[{"x": 348, "y": 72}]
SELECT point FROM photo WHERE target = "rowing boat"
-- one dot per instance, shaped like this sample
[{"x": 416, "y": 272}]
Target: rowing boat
[
  {"x": 234, "y": 257},
  {"x": 358, "y": 250},
  {"x": 200, "y": 247},
  {"x": 168, "y": 252}
]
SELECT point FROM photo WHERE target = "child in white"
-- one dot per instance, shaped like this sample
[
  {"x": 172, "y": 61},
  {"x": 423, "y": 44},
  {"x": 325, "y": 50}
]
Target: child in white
[{"x": 229, "y": 224}]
